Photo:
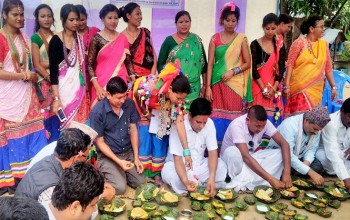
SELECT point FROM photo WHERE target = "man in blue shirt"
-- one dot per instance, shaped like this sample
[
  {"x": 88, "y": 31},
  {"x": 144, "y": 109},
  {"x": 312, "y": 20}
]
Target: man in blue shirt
[
  {"x": 303, "y": 132},
  {"x": 114, "y": 119}
]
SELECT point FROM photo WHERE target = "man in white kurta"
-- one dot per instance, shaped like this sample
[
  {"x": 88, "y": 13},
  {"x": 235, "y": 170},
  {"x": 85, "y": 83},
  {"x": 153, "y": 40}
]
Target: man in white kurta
[
  {"x": 303, "y": 132},
  {"x": 247, "y": 164},
  {"x": 334, "y": 151},
  {"x": 201, "y": 135}
]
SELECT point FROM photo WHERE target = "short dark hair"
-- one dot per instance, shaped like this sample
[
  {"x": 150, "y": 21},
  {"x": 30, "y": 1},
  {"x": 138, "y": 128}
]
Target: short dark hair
[
  {"x": 127, "y": 9},
  {"x": 227, "y": 12},
  {"x": 258, "y": 112},
  {"x": 82, "y": 10},
  {"x": 182, "y": 13},
  {"x": 181, "y": 85},
  {"x": 108, "y": 8},
  {"x": 116, "y": 85},
  {"x": 36, "y": 15},
  {"x": 310, "y": 22},
  {"x": 21, "y": 208},
  {"x": 346, "y": 106},
  {"x": 285, "y": 18},
  {"x": 70, "y": 143},
  {"x": 65, "y": 10},
  {"x": 200, "y": 106},
  {"x": 80, "y": 182},
  {"x": 269, "y": 19}
]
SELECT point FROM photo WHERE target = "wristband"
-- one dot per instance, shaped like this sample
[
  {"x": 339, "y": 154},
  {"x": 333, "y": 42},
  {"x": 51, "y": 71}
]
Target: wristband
[
  {"x": 56, "y": 98},
  {"x": 334, "y": 88},
  {"x": 92, "y": 78},
  {"x": 187, "y": 152}
]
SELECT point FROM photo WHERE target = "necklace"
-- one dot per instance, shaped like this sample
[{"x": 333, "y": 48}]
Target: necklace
[
  {"x": 309, "y": 47},
  {"x": 126, "y": 29},
  {"x": 20, "y": 63},
  {"x": 182, "y": 38}
]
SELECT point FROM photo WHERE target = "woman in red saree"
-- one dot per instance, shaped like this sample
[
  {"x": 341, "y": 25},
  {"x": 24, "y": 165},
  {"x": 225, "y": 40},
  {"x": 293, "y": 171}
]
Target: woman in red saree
[
  {"x": 22, "y": 133},
  {"x": 268, "y": 64},
  {"x": 141, "y": 49},
  {"x": 101, "y": 64},
  {"x": 309, "y": 63}
]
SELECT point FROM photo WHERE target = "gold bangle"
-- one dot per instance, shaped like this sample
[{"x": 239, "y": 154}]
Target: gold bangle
[{"x": 24, "y": 76}]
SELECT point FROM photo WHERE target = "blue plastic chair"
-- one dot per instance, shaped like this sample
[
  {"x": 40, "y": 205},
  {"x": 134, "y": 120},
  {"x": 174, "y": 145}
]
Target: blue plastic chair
[{"x": 340, "y": 79}]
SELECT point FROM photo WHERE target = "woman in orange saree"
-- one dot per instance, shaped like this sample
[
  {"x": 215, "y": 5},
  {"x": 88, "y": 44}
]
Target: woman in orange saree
[
  {"x": 102, "y": 66},
  {"x": 268, "y": 64},
  {"x": 229, "y": 72},
  {"x": 309, "y": 63}
]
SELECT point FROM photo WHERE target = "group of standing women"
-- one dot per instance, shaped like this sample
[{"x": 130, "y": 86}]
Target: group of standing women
[{"x": 69, "y": 71}]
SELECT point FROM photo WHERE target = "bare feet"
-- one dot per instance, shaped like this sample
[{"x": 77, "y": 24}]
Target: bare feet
[{"x": 158, "y": 181}]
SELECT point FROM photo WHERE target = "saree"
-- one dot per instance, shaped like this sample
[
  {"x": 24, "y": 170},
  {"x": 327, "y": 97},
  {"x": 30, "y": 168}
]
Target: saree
[
  {"x": 22, "y": 133},
  {"x": 108, "y": 66},
  {"x": 229, "y": 98},
  {"x": 267, "y": 72},
  {"x": 72, "y": 87},
  {"x": 51, "y": 121},
  {"x": 307, "y": 78},
  {"x": 192, "y": 61},
  {"x": 142, "y": 53}
]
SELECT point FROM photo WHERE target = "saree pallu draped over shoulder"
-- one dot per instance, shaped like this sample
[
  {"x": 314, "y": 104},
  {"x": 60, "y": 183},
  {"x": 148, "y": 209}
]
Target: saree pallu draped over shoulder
[
  {"x": 307, "y": 79},
  {"x": 192, "y": 61},
  {"x": 71, "y": 86},
  {"x": 22, "y": 133},
  {"x": 110, "y": 63},
  {"x": 230, "y": 97}
]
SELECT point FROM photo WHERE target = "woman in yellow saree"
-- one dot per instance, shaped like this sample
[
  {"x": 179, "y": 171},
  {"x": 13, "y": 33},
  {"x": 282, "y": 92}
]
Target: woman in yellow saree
[
  {"x": 229, "y": 72},
  {"x": 309, "y": 63}
]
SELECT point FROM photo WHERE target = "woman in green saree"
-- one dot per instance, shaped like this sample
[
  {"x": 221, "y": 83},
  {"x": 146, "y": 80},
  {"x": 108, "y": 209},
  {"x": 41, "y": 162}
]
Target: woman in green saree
[
  {"x": 229, "y": 78},
  {"x": 188, "y": 48}
]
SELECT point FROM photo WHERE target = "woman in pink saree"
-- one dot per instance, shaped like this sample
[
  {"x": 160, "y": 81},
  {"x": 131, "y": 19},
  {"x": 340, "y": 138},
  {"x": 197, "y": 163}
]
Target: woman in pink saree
[
  {"x": 108, "y": 55},
  {"x": 22, "y": 133},
  {"x": 67, "y": 69}
]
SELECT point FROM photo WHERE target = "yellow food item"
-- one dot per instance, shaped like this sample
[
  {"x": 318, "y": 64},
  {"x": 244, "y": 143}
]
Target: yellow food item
[
  {"x": 264, "y": 194},
  {"x": 293, "y": 189},
  {"x": 227, "y": 194},
  {"x": 155, "y": 192},
  {"x": 300, "y": 182},
  {"x": 336, "y": 192},
  {"x": 170, "y": 197},
  {"x": 139, "y": 213}
]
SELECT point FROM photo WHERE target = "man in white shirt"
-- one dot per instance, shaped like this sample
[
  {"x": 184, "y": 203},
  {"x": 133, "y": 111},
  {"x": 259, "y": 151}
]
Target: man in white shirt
[
  {"x": 247, "y": 165},
  {"x": 303, "y": 132},
  {"x": 201, "y": 135},
  {"x": 334, "y": 151},
  {"x": 77, "y": 193}
]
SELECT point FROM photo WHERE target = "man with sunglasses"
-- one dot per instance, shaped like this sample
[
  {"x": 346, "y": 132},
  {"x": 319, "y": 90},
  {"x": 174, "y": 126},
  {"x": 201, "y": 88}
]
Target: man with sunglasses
[
  {"x": 248, "y": 164},
  {"x": 40, "y": 180}
]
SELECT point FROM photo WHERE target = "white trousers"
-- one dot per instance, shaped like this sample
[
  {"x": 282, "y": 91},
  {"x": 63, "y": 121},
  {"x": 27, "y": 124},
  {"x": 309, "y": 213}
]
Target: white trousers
[
  {"x": 328, "y": 166},
  {"x": 201, "y": 172},
  {"x": 242, "y": 177}
]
